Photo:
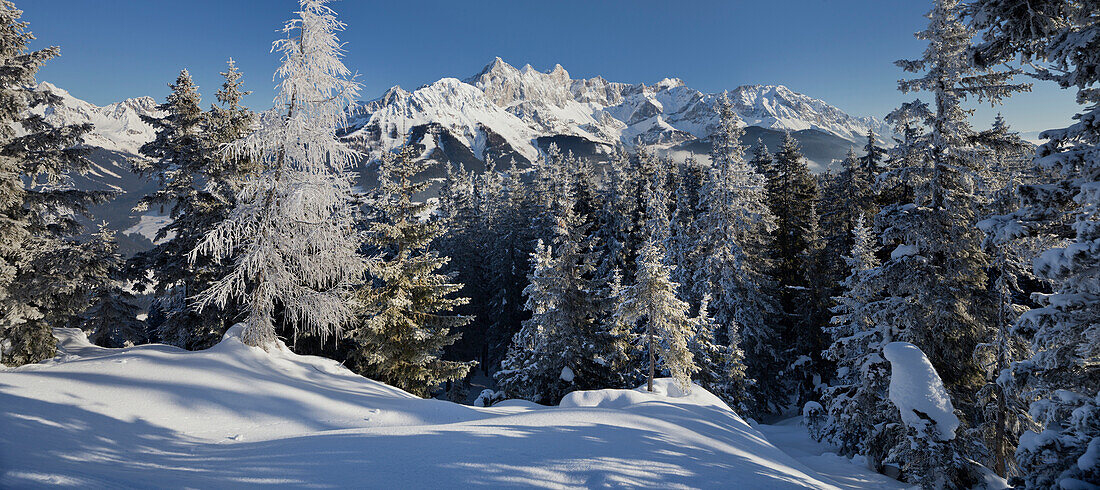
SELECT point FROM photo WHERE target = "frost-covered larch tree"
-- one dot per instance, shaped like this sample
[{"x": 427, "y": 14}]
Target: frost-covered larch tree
[
  {"x": 39, "y": 208},
  {"x": 1062, "y": 39},
  {"x": 406, "y": 318},
  {"x": 291, "y": 232},
  {"x": 732, "y": 249}
]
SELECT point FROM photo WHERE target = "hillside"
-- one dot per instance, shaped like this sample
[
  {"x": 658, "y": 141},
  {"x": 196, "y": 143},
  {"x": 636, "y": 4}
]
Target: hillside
[{"x": 235, "y": 416}]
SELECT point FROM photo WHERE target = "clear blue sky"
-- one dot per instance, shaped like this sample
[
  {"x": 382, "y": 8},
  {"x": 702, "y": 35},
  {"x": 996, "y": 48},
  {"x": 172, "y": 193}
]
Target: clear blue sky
[{"x": 840, "y": 51}]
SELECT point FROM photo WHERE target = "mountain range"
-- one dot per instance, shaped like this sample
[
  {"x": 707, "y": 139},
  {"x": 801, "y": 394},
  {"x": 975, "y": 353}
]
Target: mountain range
[
  {"x": 507, "y": 112},
  {"x": 502, "y": 113}
]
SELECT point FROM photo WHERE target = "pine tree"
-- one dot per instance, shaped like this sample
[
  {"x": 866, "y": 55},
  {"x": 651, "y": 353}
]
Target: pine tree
[
  {"x": 1004, "y": 413},
  {"x": 845, "y": 197},
  {"x": 180, "y": 160},
  {"x": 111, "y": 320},
  {"x": 562, "y": 347},
  {"x": 1063, "y": 374},
  {"x": 404, "y": 326},
  {"x": 856, "y": 397},
  {"x": 721, "y": 366},
  {"x": 291, "y": 232},
  {"x": 39, "y": 208},
  {"x": 509, "y": 265},
  {"x": 686, "y": 247}
]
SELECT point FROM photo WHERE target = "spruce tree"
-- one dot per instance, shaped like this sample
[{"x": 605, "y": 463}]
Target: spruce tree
[
  {"x": 111, "y": 320},
  {"x": 291, "y": 231},
  {"x": 39, "y": 210},
  {"x": 405, "y": 322},
  {"x": 792, "y": 197},
  {"x": 856, "y": 395},
  {"x": 509, "y": 266},
  {"x": 563, "y": 346},
  {"x": 733, "y": 267},
  {"x": 651, "y": 302},
  {"x": 1063, "y": 373},
  {"x": 180, "y": 160},
  {"x": 937, "y": 273}
]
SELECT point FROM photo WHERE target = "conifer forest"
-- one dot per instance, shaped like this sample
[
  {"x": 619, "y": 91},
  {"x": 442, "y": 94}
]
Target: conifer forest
[{"x": 522, "y": 279}]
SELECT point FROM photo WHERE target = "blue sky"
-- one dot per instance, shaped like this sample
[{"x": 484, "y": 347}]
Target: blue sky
[{"x": 841, "y": 51}]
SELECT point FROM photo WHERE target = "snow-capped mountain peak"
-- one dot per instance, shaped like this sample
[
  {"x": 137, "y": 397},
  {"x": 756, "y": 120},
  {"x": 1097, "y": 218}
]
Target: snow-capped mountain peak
[
  {"x": 116, "y": 127},
  {"x": 522, "y": 105}
]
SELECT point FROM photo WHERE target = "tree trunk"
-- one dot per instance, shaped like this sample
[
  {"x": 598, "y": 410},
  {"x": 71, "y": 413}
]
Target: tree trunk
[{"x": 652, "y": 356}]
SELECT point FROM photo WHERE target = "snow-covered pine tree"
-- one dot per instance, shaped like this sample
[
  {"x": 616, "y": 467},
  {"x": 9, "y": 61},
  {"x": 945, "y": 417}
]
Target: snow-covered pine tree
[
  {"x": 651, "y": 302},
  {"x": 39, "y": 209},
  {"x": 762, "y": 160},
  {"x": 1063, "y": 39},
  {"x": 405, "y": 322},
  {"x": 873, "y": 157},
  {"x": 845, "y": 197},
  {"x": 685, "y": 246},
  {"x": 466, "y": 242},
  {"x": 509, "y": 263},
  {"x": 792, "y": 197},
  {"x": 1004, "y": 417},
  {"x": 733, "y": 268},
  {"x": 937, "y": 274},
  {"x": 613, "y": 225},
  {"x": 292, "y": 232},
  {"x": 721, "y": 366}
]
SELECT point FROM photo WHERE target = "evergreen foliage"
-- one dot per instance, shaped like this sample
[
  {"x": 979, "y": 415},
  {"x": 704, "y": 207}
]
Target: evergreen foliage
[
  {"x": 404, "y": 325},
  {"x": 39, "y": 207}
]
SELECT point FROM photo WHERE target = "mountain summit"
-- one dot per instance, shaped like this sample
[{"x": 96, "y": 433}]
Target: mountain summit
[{"x": 517, "y": 108}]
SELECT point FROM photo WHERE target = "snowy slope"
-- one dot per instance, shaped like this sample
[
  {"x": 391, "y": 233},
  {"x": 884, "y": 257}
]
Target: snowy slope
[
  {"x": 235, "y": 416},
  {"x": 116, "y": 127},
  {"x": 523, "y": 104}
]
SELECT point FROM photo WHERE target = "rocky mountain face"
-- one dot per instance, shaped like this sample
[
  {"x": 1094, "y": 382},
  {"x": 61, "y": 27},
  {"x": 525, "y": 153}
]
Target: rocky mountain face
[
  {"x": 510, "y": 112},
  {"x": 116, "y": 127}
]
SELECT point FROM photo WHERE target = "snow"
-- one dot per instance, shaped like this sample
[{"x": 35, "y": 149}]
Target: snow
[
  {"x": 116, "y": 127},
  {"x": 236, "y": 416},
  {"x": 918, "y": 392},
  {"x": 904, "y": 250},
  {"x": 148, "y": 225},
  {"x": 791, "y": 436},
  {"x": 566, "y": 374}
]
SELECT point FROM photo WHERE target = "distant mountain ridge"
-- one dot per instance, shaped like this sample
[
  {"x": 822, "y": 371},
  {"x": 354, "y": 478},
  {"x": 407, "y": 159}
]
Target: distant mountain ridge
[{"x": 518, "y": 107}]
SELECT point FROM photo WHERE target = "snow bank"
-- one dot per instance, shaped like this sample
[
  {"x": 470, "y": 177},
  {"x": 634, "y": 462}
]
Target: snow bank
[
  {"x": 236, "y": 416},
  {"x": 918, "y": 392}
]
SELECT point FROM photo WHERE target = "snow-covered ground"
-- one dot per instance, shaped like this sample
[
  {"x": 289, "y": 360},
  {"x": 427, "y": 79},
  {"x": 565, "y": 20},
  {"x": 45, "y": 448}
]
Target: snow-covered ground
[{"x": 233, "y": 415}]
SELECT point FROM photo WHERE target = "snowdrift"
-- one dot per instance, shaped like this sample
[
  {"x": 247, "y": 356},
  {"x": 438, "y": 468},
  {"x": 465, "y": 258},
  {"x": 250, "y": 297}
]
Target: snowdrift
[{"x": 234, "y": 415}]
